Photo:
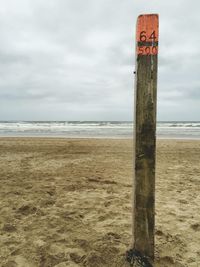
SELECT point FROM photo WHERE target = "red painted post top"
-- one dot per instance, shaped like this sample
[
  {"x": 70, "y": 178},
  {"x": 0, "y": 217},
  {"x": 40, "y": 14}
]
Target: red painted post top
[{"x": 147, "y": 35}]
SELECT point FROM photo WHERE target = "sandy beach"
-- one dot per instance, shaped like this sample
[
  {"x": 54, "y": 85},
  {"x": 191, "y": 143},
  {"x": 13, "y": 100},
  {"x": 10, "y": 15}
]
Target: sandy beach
[{"x": 67, "y": 202}]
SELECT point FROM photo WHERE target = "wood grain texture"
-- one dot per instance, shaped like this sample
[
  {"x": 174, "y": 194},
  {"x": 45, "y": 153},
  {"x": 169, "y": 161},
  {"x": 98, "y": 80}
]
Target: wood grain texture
[{"x": 145, "y": 147}]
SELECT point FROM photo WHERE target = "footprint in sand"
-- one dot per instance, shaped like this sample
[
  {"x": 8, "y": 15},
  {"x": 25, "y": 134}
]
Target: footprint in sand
[
  {"x": 195, "y": 226},
  {"x": 8, "y": 227},
  {"x": 27, "y": 209}
]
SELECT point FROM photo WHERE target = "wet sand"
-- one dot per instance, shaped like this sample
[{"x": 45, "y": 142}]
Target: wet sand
[{"x": 67, "y": 202}]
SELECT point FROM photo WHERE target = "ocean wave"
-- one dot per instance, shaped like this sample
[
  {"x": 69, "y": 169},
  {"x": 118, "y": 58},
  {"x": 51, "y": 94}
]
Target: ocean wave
[{"x": 94, "y": 128}]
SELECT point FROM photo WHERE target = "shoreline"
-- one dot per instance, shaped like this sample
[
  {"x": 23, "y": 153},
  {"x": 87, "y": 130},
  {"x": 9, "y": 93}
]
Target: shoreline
[{"x": 93, "y": 137}]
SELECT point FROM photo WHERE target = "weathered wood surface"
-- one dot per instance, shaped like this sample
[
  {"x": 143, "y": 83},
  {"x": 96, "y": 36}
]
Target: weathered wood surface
[{"x": 145, "y": 135}]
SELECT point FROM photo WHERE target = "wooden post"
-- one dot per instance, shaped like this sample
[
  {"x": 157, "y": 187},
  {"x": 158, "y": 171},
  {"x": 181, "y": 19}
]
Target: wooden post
[{"x": 145, "y": 136}]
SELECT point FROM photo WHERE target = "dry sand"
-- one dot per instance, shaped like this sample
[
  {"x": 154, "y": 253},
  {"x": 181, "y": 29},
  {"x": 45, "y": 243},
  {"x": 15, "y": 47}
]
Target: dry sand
[{"x": 68, "y": 202}]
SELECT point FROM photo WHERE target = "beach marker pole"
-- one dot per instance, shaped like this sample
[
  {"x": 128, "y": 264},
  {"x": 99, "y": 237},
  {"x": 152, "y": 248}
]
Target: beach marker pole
[{"x": 145, "y": 137}]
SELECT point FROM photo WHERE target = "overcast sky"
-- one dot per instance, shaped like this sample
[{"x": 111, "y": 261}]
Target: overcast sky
[{"x": 74, "y": 59}]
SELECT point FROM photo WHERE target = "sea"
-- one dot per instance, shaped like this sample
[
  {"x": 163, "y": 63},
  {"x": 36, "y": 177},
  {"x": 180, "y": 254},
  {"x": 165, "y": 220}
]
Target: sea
[{"x": 96, "y": 129}]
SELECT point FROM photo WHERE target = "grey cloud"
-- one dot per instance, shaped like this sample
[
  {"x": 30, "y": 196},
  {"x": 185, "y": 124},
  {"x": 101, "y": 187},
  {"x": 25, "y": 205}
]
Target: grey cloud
[{"x": 73, "y": 59}]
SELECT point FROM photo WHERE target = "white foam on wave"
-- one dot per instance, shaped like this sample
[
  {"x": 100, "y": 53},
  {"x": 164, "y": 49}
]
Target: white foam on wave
[{"x": 95, "y": 128}]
